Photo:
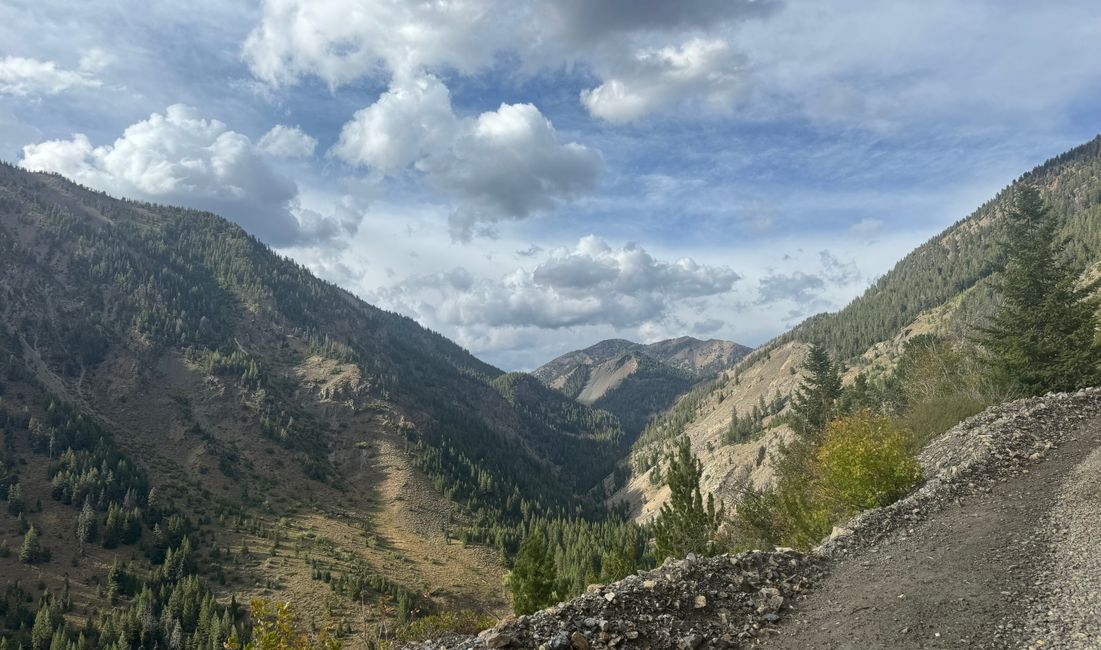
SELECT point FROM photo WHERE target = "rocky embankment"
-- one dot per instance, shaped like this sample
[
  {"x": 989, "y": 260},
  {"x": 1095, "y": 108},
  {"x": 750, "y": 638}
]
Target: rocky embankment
[
  {"x": 923, "y": 545},
  {"x": 718, "y": 602}
]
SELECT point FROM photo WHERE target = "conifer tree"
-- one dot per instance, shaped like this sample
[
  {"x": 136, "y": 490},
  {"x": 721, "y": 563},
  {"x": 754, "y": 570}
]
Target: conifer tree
[
  {"x": 815, "y": 403},
  {"x": 43, "y": 629},
  {"x": 31, "y": 550},
  {"x": 15, "y": 499},
  {"x": 1044, "y": 337},
  {"x": 85, "y": 525},
  {"x": 685, "y": 523},
  {"x": 533, "y": 576}
]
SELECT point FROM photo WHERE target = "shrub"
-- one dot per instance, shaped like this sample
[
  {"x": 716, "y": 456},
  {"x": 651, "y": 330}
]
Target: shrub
[
  {"x": 928, "y": 419},
  {"x": 861, "y": 461},
  {"x": 864, "y": 462},
  {"x": 462, "y": 622}
]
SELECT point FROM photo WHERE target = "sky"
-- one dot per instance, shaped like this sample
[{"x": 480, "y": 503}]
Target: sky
[{"x": 529, "y": 177}]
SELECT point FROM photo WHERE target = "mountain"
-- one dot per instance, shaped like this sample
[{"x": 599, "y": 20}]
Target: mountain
[
  {"x": 211, "y": 419},
  {"x": 635, "y": 381},
  {"x": 943, "y": 287}
]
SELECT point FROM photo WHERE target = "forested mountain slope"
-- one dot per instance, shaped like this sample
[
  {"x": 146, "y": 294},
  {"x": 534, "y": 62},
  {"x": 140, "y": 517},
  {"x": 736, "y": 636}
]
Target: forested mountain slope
[
  {"x": 178, "y": 380},
  {"x": 943, "y": 287},
  {"x": 636, "y": 381}
]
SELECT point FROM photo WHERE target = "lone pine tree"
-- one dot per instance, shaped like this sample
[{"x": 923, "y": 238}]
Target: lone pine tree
[
  {"x": 1044, "y": 336},
  {"x": 685, "y": 523},
  {"x": 533, "y": 576},
  {"x": 815, "y": 403}
]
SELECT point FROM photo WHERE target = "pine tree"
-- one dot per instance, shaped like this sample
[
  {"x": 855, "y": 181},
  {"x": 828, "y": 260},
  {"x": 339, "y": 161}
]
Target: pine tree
[
  {"x": 15, "y": 499},
  {"x": 533, "y": 576},
  {"x": 85, "y": 525},
  {"x": 1044, "y": 337},
  {"x": 43, "y": 629},
  {"x": 685, "y": 524},
  {"x": 815, "y": 403},
  {"x": 31, "y": 551}
]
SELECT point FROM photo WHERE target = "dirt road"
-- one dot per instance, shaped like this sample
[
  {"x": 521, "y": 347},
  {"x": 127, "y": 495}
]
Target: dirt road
[{"x": 1015, "y": 567}]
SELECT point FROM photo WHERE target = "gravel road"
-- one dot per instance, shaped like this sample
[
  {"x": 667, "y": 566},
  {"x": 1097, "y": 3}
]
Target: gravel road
[
  {"x": 1016, "y": 566},
  {"x": 1068, "y": 614}
]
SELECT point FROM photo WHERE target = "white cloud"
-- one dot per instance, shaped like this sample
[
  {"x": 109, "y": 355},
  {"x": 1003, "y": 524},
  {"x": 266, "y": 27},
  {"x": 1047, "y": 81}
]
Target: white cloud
[
  {"x": 703, "y": 72},
  {"x": 590, "y": 284},
  {"x": 22, "y": 76},
  {"x": 504, "y": 164},
  {"x": 646, "y": 52},
  {"x": 287, "y": 142},
  {"x": 343, "y": 40},
  {"x": 181, "y": 157},
  {"x": 408, "y": 123}
]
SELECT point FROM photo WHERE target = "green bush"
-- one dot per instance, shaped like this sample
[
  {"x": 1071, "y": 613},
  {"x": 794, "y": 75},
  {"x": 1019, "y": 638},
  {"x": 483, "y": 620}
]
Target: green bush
[
  {"x": 864, "y": 462},
  {"x": 861, "y": 461}
]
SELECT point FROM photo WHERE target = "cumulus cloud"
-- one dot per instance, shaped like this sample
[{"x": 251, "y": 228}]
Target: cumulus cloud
[
  {"x": 287, "y": 142},
  {"x": 700, "y": 71},
  {"x": 590, "y": 284},
  {"x": 503, "y": 164},
  {"x": 343, "y": 40},
  {"x": 646, "y": 52},
  {"x": 409, "y": 122},
  {"x": 22, "y": 76},
  {"x": 181, "y": 157}
]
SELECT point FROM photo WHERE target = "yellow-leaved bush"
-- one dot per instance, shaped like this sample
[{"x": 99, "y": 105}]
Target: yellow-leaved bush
[{"x": 864, "y": 462}]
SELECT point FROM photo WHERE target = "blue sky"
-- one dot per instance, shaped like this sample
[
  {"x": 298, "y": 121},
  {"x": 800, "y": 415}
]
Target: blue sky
[{"x": 529, "y": 176}]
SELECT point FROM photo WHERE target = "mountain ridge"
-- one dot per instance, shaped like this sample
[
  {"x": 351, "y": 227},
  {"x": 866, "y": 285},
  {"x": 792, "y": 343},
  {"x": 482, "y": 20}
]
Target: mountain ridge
[
  {"x": 636, "y": 381},
  {"x": 266, "y": 407}
]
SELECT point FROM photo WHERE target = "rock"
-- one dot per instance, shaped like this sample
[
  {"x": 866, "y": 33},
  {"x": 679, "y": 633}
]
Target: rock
[
  {"x": 560, "y": 641},
  {"x": 649, "y": 584},
  {"x": 700, "y": 602},
  {"x": 769, "y": 600},
  {"x": 497, "y": 640},
  {"x": 690, "y": 642},
  {"x": 579, "y": 641},
  {"x": 610, "y": 596}
]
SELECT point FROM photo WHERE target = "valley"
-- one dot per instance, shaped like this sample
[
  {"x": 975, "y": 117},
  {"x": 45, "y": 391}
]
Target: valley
[{"x": 192, "y": 422}]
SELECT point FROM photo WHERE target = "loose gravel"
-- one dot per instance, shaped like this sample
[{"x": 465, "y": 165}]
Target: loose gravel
[{"x": 1069, "y": 613}]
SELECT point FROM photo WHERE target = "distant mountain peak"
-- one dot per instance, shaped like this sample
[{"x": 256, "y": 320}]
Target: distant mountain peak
[{"x": 636, "y": 380}]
